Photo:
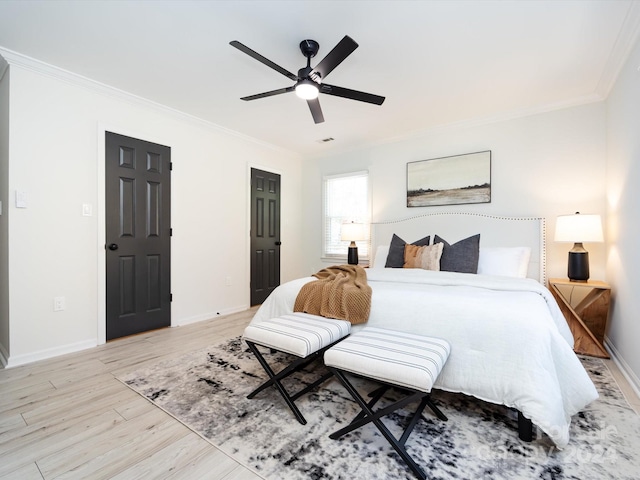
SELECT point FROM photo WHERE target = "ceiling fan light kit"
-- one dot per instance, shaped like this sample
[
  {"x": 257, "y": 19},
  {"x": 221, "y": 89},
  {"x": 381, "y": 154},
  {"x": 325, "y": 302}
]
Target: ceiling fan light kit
[
  {"x": 309, "y": 80},
  {"x": 307, "y": 89}
]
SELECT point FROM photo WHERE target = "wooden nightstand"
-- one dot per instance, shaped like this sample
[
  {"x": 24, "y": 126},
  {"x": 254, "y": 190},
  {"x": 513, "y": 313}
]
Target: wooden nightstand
[{"x": 585, "y": 306}]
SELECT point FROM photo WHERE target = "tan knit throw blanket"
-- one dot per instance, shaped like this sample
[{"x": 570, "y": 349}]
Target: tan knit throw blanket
[{"x": 340, "y": 292}]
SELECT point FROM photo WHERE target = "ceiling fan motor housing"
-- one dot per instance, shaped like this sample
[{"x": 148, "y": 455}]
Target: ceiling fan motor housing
[
  {"x": 304, "y": 73},
  {"x": 309, "y": 48}
]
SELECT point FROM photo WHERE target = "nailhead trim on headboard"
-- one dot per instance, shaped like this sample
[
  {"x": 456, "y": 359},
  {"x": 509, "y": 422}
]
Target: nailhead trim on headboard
[{"x": 541, "y": 222}]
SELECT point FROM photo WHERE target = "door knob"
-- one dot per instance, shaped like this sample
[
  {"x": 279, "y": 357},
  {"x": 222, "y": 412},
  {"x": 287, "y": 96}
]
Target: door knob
[
  {"x": 113, "y": 246},
  {"x": 278, "y": 243}
]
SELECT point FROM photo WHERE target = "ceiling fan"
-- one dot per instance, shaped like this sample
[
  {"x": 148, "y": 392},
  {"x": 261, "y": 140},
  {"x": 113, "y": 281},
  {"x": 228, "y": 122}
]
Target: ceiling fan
[{"x": 309, "y": 81}]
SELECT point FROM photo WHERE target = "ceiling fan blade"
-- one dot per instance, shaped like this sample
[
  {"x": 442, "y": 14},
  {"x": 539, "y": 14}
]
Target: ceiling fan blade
[
  {"x": 261, "y": 59},
  {"x": 342, "y": 50},
  {"x": 316, "y": 111},
  {"x": 269, "y": 94},
  {"x": 351, "y": 94}
]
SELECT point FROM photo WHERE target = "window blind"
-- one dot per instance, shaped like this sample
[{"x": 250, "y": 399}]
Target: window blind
[{"x": 345, "y": 199}]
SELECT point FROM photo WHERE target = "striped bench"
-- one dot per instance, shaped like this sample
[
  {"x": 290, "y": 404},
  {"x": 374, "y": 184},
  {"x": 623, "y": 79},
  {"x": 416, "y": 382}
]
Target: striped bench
[
  {"x": 396, "y": 359},
  {"x": 305, "y": 336}
]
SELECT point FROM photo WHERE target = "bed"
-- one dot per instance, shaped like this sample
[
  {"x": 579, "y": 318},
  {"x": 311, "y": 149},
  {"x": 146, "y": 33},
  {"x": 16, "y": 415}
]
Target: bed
[{"x": 510, "y": 344}]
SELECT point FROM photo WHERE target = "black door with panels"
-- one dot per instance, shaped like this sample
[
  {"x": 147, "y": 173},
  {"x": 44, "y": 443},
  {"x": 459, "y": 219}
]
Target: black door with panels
[
  {"x": 265, "y": 234},
  {"x": 138, "y": 235}
]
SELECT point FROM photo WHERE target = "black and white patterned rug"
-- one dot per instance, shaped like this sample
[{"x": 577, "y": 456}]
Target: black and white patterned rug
[{"x": 206, "y": 390}]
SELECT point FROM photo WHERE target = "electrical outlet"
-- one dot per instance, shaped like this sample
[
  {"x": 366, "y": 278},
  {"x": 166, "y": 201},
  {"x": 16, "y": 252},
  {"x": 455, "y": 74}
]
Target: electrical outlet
[
  {"x": 59, "y": 303},
  {"x": 227, "y": 281}
]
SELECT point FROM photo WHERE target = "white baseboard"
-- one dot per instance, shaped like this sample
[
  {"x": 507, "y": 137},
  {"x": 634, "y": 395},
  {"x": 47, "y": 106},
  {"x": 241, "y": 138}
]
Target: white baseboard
[
  {"x": 624, "y": 367},
  {"x": 209, "y": 316},
  {"x": 14, "y": 361}
]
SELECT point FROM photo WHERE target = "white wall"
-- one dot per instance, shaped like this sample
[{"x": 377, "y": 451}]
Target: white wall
[
  {"x": 57, "y": 157},
  {"x": 623, "y": 202},
  {"x": 542, "y": 165},
  {"x": 4, "y": 217}
]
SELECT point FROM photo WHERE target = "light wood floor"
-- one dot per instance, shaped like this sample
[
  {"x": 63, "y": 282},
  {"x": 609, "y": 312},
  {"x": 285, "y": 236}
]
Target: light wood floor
[{"x": 70, "y": 418}]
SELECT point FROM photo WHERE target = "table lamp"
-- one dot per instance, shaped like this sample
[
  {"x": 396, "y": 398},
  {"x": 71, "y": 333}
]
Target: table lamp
[
  {"x": 352, "y": 232},
  {"x": 578, "y": 228}
]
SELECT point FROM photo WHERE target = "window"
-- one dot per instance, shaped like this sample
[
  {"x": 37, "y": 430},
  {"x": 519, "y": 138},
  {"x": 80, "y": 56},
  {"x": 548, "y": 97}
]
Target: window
[{"x": 346, "y": 199}]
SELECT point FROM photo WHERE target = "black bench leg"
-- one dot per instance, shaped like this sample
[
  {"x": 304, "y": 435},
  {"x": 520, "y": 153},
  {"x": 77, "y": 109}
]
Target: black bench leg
[
  {"x": 274, "y": 379},
  {"x": 296, "y": 365},
  {"x": 414, "y": 420},
  {"x": 436, "y": 410},
  {"x": 525, "y": 428},
  {"x": 374, "y": 417},
  {"x": 291, "y": 368}
]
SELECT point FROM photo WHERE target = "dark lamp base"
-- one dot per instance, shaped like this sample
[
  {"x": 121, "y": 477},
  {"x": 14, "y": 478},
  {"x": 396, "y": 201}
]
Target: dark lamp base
[
  {"x": 352, "y": 256},
  {"x": 578, "y": 268}
]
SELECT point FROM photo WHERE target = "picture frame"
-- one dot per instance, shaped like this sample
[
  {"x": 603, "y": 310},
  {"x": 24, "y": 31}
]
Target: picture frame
[{"x": 454, "y": 180}]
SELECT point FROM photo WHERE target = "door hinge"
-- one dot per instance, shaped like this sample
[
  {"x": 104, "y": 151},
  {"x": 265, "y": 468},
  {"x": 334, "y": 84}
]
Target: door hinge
[
  {"x": 171, "y": 297},
  {"x": 171, "y": 232},
  {"x": 170, "y": 166}
]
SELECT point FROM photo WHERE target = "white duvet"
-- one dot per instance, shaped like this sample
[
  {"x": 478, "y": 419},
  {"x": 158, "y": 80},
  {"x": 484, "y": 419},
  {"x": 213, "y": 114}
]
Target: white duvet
[{"x": 510, "y": 343}]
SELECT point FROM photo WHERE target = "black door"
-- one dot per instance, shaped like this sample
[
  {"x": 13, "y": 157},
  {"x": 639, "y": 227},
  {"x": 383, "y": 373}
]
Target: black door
[
  {"x": 138, "y": 231},
  {"x": 265, "y": 234}
]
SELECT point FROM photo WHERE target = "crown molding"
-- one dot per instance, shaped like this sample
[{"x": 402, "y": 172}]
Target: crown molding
[
  {"x": 14, "y": 58},
  {"x": 627, "y": 38}
]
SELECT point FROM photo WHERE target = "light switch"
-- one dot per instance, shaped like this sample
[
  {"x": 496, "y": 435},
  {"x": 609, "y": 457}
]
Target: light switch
[
  {"x": 87, "y": 209},
  {"x": 21, "y": 199}
]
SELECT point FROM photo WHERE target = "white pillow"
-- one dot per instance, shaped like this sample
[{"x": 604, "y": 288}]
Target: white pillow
[
  {"x": 381, "y": 256},
  {"x": 504, "y": 261}
]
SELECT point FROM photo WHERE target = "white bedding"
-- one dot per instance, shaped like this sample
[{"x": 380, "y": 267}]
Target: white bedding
[{"x": 510, "y": 343}]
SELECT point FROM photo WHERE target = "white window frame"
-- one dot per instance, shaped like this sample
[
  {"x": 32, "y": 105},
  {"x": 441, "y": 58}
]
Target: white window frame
[{"x": 336, "y": 250}]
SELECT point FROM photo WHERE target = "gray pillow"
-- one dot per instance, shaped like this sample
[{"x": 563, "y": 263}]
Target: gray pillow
[
  {"x": 461, "y": 257},
  {"x": 395, "y": 258}
]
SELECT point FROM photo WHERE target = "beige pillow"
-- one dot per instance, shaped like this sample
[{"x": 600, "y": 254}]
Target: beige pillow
[{"x": 427, "y": 257}]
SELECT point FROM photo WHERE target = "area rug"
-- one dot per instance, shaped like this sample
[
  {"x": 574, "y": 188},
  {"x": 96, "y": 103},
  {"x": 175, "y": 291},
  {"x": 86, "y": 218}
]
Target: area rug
[{"x": 206, "y": 390}]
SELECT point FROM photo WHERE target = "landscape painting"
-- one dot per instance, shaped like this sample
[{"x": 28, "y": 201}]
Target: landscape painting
[{"x": 450, "y": 180}]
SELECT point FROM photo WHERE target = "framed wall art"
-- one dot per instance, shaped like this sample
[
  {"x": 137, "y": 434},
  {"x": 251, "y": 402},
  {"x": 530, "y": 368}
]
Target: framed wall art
[{"x": 452, "y": 180}]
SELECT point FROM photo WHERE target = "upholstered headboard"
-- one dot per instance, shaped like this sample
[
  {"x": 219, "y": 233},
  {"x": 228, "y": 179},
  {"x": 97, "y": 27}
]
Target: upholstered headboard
[{"x": 495, "y": 231}]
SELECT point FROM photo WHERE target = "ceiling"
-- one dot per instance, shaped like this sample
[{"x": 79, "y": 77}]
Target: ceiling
[{"x": 437, "y": 62}]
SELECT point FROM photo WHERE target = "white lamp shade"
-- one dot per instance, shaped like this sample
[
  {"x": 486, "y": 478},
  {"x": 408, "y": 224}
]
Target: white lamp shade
[
  {"x": 352, "y": 232},
  {"x": 579, "y": 228}
]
